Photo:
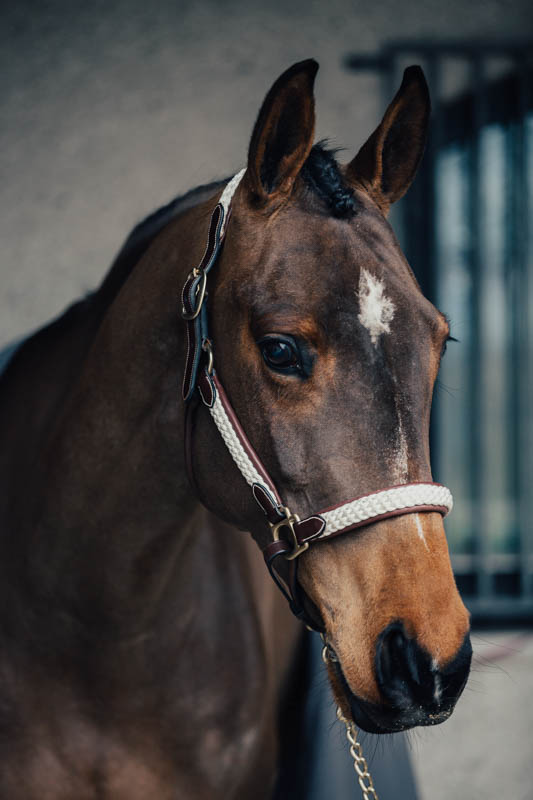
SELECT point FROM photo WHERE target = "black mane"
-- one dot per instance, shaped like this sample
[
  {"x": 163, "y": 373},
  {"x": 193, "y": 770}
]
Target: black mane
[{"x": 321, "y": 173}]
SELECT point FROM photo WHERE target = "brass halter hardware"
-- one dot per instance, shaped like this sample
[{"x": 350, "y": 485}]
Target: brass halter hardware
[
  {"x": 288, "y": 522},
  {"x": 199, "y": 296},
  {"x": 207, "y": 347}
]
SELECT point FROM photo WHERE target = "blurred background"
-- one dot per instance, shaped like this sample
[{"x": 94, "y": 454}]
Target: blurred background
[{"x": 110, "y": 109}]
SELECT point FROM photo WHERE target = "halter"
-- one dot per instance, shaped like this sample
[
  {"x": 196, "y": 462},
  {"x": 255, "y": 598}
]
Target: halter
[{"x": 291, "y": 536}]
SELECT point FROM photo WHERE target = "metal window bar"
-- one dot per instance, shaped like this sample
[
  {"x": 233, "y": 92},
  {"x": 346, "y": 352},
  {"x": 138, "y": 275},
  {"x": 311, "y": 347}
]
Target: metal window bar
[{"x": 497, "y": 583}]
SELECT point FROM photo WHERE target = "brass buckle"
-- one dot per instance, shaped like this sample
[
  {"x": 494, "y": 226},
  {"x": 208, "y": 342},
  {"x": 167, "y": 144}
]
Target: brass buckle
[
  {"x": 199, "y": 295},
  {"x": 288, "y": 522},
  {"x": 207, "y": 347}
]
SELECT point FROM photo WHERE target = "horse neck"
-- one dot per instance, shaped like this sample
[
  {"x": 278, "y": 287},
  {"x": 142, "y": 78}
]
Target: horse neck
[{"x": 112, "y": 521}]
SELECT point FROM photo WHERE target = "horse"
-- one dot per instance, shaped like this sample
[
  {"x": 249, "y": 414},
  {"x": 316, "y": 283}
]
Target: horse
[{"x": 146, "y": 652}]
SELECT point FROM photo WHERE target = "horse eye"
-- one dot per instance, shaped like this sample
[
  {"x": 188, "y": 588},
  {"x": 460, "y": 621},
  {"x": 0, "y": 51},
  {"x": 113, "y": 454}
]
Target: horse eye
[{"x": 280, "y": 354}]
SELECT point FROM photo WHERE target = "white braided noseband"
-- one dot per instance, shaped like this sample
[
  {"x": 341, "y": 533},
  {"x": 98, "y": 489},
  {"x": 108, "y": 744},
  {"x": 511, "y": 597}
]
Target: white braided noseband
[{"x": 383, "y": 502}]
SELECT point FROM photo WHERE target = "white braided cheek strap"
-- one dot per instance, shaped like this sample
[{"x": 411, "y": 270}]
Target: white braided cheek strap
[{"x": 349, "y": 514}]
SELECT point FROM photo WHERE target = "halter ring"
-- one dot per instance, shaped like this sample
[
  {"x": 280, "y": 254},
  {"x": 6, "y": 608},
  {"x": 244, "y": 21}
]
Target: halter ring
[
  {"x": 199, "y": 294},
  {"x": 207, "y": 347},
  {"x": 288, "y": 522}
]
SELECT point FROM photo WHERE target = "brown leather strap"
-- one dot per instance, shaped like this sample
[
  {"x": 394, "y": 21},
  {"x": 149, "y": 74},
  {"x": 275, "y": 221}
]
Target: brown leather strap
[
  {"x": 290, "y": 587},
  {"x": 192, "y": 301}
]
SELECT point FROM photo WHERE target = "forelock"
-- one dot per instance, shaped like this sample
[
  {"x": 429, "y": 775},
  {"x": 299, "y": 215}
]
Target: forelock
[{"x": 322, "y": 175}]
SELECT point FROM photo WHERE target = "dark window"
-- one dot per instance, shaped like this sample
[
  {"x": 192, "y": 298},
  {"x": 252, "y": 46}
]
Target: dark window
[{"x": 466, "y": 230}]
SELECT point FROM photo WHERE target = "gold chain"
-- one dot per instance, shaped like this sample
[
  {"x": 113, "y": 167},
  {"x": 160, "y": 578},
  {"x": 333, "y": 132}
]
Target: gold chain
[
  {"x": 359, "y": 761},
  {"x": 356, "y": 751}
]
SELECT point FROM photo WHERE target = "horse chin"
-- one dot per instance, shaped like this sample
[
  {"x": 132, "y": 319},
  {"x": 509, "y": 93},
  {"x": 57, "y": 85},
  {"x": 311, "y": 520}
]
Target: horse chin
[{"x": 372, "y": 718}]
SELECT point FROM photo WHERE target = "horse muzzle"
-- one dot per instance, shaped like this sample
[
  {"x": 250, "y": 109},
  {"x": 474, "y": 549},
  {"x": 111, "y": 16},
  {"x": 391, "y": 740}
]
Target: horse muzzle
[{"x": 414, "y": 689}]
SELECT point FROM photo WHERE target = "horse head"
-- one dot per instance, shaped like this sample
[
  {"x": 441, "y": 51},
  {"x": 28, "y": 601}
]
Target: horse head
[{"x": 329, "y": 351}]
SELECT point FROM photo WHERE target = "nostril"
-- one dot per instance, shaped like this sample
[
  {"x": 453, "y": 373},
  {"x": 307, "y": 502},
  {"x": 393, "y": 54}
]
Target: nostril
[
  {"x": 399, "y": 649},
  {"x": 395, "y": 652},
  {"x": 397, "y": 670},
  {"x": 393, "y": 645},
  {"x": 407, "y": 676}
]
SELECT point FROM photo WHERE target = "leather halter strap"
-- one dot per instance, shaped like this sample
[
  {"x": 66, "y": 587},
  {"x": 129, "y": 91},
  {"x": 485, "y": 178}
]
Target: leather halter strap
[{"x": 291, "y": 535}]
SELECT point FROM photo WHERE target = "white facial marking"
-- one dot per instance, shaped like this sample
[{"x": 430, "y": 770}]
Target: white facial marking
[
  {"x": 437, "y": 694},
  {"x": 376, "y": 310},
  {"x": 400, "y": 463},
  {"x": 400, "y": 466},
  {"x": 420, "y": 530}
]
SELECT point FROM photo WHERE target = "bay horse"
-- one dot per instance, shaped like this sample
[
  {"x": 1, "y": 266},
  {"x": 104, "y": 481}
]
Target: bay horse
[{"x": 145, "y": 650}]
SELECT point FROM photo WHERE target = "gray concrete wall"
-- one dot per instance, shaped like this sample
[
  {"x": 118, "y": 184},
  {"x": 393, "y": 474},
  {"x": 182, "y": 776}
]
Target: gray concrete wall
[{"x": 111, "y": 108}]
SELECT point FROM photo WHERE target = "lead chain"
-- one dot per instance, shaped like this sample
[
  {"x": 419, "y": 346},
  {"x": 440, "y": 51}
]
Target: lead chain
[
  {"x": 359, "y": 761},
  {"x": 356, "y": 751}
]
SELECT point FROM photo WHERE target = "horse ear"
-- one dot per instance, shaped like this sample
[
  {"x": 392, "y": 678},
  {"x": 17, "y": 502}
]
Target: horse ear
[
  {"x": 386, "y": 164},
  {"x": 283, "y": 134}
]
